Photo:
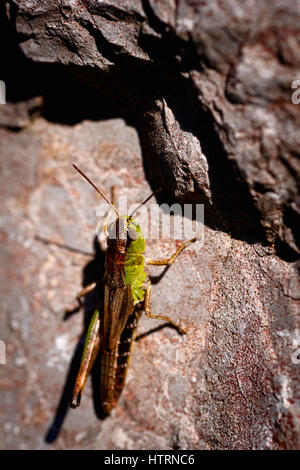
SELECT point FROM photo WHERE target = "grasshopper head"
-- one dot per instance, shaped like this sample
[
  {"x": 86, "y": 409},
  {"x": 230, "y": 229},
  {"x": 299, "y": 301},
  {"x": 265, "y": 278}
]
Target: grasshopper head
[
  {"x": 124, "y": 228},
  {"x": 117, "y": 230},
  {"x": 124, "y": 231}
]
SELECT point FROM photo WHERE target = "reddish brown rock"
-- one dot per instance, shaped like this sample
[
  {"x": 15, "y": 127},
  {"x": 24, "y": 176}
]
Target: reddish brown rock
[{"x": 196, "y": 99}]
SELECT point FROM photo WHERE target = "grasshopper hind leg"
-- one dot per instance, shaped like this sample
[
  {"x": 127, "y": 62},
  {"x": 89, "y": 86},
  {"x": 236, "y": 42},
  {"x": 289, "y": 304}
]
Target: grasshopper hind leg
[
  {"x": 148, "y": 293},
  {"x": 90, "y": 352},
  {"x": 148, "y": 310}
]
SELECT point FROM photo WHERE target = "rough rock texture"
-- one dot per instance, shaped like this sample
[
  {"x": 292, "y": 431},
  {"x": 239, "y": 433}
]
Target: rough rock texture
[{"x": 192, "y": 96}]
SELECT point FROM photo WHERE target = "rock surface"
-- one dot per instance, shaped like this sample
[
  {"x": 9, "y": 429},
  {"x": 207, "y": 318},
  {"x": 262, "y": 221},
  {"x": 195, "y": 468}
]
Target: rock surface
[{"x": 192, "y": 96}]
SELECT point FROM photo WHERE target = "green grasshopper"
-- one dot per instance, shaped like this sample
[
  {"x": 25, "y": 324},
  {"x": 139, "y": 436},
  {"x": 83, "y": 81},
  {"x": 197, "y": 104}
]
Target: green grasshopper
[{"x": 127, "y": 292}]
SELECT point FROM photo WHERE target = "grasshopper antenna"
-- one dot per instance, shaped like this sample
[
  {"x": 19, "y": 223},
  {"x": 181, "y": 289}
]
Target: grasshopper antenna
[
  {"x": 97, "y": 189},
  {"x": 146, "y": 200}
]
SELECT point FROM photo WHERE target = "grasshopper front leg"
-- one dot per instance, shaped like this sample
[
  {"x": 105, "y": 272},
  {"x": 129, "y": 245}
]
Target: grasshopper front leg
[
  {"x": 90, "y": 352},
  {"x": 171, "y": 259}
]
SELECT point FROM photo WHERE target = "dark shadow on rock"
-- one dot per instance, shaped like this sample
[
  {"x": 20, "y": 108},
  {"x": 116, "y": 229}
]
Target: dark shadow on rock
[
  {"x": 93, "y": 271},
  {"x": 23, "y": 78},
  {"x": 129, "y": 90},
  {"x": 63, "y": 406},
  {"x": 156, "y": 329},
  {"x": 231, "y": 208}
]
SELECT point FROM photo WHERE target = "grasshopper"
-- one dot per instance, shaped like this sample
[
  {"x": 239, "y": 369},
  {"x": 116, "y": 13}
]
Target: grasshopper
[{"x": 127, "y": 292}]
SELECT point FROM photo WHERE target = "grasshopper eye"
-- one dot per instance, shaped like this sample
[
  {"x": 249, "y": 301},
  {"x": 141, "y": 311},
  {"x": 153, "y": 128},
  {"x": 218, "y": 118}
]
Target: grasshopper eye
[{"x": 132, "y": 234}]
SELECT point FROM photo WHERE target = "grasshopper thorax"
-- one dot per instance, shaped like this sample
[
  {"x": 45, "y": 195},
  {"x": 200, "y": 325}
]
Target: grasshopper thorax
[{"x": 126, "y": 245}]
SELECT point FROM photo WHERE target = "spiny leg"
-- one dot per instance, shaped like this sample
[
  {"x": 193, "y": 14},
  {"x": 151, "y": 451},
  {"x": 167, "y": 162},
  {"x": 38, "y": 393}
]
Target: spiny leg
[
  {"x": 148, "y": 310},
  {"x": 171, "y": 259},
  {"x": 90, "y": 352},
  {"x": 148, "y": 293}
]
